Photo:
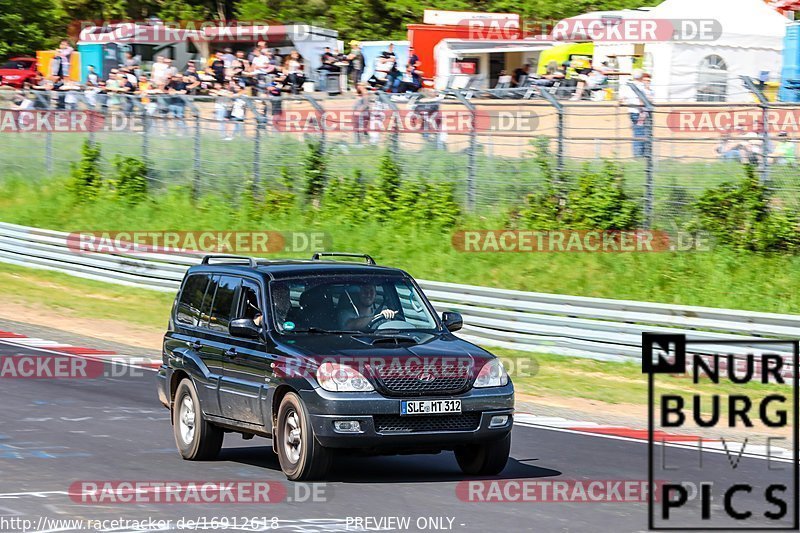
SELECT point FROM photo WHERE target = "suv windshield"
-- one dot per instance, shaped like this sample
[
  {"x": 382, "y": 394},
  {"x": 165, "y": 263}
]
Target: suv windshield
[{"x": 322, "y": 304}]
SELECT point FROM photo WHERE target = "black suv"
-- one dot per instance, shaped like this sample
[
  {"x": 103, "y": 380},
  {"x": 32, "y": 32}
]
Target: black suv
[{"x": 327, "y": 356}]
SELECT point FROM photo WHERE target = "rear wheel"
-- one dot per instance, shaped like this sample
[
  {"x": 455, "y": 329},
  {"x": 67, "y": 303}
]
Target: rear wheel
[
  {"x": 196, "y": 438},
  {"x": 485, "y": 458},
  {"x": 301, "y": 456}
]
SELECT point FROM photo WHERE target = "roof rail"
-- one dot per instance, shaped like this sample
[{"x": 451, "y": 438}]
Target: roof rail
[
  {"x": 367, "y": 258},
  {"x": 250, "y": 260}
]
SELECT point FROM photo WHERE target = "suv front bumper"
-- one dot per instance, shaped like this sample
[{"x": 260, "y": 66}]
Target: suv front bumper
[{"x": 327, "y": 407}]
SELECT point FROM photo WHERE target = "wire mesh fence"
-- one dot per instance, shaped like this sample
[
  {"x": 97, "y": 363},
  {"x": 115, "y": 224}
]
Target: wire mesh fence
[{"x": 484, "y": 145}]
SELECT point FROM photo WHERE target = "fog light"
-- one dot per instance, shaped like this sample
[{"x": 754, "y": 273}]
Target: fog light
[
  {"x": 498, "y": 421},
  {"x": 347, "y": 426}
]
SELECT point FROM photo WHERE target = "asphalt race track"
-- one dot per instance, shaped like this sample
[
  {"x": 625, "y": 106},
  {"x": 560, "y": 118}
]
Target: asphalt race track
[{"x": 56, "y": 432}]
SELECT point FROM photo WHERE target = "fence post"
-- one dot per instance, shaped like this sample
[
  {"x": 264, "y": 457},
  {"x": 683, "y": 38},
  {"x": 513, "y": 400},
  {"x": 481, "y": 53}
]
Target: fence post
[
  {"x": 321, "y": 110},
  {"x": 547, "y": 95},
  {"x": 260, "y": 120},
  {"x": 472, "y": 151},
  {"x": 196, "y": 157},
  {"x": 146, "y": 141},
  {"x": 764, "y": 104},
  {"x": 394, "y": 138},
  {"x": 649, "y": 170}
]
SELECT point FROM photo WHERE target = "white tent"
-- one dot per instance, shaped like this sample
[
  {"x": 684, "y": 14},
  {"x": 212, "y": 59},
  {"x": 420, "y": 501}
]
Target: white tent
[
  {"x": 448, "y": 51},
  {"x": 751, "y": 42}
]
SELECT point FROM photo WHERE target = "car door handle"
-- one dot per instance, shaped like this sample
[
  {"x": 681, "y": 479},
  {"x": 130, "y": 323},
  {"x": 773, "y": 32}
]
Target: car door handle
[
  {"x": 194, "y": 345},
  {"x": 231, "y": 352}
]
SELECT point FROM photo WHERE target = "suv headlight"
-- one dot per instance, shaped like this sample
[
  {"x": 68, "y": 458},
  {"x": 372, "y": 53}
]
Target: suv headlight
[
  {"x": 493, "y": 374},
  {"x": 342, "y": 378}
]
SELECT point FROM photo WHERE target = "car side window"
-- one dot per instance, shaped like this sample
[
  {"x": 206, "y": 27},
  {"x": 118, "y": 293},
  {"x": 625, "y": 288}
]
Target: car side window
[
  {"x": 191, "y": 300},
  {"x": 205, "y": 309},
  {"x": 222, "y": 309},
  {"x": 249, "y": 302}
]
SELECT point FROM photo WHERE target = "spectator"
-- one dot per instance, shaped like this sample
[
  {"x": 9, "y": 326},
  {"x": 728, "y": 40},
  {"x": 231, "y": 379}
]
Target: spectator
[
  {"x": 64, "y": 52},
  {"x": 592, "y": 80},
  {"x": 159, "y": 71},
  {"x": 753, "y": 149},
  {"x": 256, "y": 50},
  {"x": 195, "y": 83},
  {"x": 176, "y": 88},
  {"x": 126, "y": 89},
  {"x": 413, "y": 58},
  {"x": 294, "y": 72},
  {"x": 217, "y": 68},
  {"x": 221, "y": 107},
  {"x": 520, "y": 75},
  {"x": 171, "y": 70},
  {"x": 629, "y": 98},
  {"x": 356, "y": 63},
  {"x": 362, "y": 111},
  {"x": 728, "y": 148},
  {"x": 409, "y": 82},
  {"x": 785, "y": 151},
  {"x": 237, "y": 112},
  {"x": 552, "y": 74},
  {"x": 228, "y": 57},
  {"x": 91, "y": 77},
  {"x": 328, "y": 66}
]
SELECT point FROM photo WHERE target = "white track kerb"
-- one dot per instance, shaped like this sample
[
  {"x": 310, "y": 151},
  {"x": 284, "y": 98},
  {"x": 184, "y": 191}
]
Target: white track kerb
[{"x": 575, "y": 326}]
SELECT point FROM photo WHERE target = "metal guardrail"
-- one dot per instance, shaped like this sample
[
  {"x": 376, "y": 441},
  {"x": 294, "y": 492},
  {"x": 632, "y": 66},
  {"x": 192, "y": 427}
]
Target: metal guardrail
[{"x": 598, "y": 328}]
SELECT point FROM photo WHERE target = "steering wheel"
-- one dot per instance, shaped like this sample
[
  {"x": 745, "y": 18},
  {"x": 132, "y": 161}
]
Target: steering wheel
[{"x": 375, "y": 322}]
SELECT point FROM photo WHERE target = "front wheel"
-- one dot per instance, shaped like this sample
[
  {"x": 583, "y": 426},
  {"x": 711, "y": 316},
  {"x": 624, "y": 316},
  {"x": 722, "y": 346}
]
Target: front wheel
[
  {"x": 301, "y": 456},
  {"x": 485, "y": 458},
  {"x": 196, "y": 438}
]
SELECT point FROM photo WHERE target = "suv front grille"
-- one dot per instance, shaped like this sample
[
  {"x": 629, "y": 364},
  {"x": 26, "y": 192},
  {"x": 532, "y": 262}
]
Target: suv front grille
[
  {"x": 424, "y": 380},
  {"x": 423, "y": 423}
]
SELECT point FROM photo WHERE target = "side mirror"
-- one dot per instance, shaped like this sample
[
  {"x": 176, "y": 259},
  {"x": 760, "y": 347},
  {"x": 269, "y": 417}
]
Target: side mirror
[
  {"x": 452, "y": 320},
  {"x": 244, "y": 327}
]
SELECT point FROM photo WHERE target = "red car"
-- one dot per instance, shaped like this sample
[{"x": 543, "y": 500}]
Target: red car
[{"x": 19, "y": 70}]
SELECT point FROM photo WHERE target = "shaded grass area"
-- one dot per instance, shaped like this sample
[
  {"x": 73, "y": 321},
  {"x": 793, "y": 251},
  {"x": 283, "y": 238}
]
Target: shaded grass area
[
  {"x": 83, "y": 298},
  {"x": 717, "y": 278}
]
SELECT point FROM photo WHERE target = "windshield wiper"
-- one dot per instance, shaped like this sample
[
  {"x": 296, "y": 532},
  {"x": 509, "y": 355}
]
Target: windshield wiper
[{"x": 322, "y": 330}]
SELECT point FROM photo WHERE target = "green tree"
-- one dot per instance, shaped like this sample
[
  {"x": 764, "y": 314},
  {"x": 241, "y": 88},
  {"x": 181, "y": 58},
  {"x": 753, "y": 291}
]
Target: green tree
[{"x": 29, "y": 26}]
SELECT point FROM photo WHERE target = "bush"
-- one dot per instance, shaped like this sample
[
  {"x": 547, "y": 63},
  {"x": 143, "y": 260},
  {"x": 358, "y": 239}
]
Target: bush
[
  {"x": 130, "y": 183},
  {"x": 86, "y": 181},
  {"x": 314, "y": 171},
  {"x": 280, "y": 199},
  {"x": 738, "y": 214},
  {"x": 344, "y": 198},
  {"x": 600, "y": 202},
  {"x": 380, "y": 200}
]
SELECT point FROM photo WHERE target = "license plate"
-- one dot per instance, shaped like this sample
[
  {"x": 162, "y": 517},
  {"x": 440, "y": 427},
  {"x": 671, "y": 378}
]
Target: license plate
[{"x": 429, "y": 407}]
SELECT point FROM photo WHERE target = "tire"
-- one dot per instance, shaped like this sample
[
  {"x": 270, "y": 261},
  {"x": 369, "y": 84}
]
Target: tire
[
  {"x": 301, "y": 456},
  {"x": 196, "y": 438},
  {"x": 486, "y": 458}
]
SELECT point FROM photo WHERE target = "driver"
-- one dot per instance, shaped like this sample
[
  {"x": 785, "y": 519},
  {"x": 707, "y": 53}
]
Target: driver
[{"x": 362, "y": 310}]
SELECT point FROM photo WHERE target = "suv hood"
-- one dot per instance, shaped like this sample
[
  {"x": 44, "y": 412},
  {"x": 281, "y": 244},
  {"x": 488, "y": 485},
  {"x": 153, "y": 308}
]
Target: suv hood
[{"x": 359, "y": 350}]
